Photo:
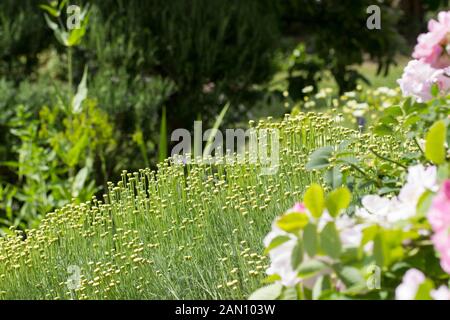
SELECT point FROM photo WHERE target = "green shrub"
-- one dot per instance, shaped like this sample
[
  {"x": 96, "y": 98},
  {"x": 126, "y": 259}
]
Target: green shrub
[
  {"x": 337, "y": 33},
  {"x": 150, "y": 54},
  {"x": 22, "y": 36},
  {"x": 143, "y": 55},
  {"x": 57, "y": 158}
]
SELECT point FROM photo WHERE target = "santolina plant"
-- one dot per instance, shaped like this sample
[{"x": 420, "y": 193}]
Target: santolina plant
[{"x": 186, "y": 231}]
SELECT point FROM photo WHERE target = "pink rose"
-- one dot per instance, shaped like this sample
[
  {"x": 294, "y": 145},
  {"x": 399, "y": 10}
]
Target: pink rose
[
  {"x": 439, "y": 214},
  {"x": 431, "y": 46},
  {"x": 419, "y": 77},
  {"x": 439, "y": 218},
  {"x": 298, "y": 207}
]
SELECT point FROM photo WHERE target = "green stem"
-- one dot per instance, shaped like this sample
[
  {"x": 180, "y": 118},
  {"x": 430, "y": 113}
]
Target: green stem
[
  {"x": 377, "y": 182},
  {"x": 418, "y": 145},
  {"x": 69, "y": 71},
  {"x": 70, "y": 80},
  {"x": 387, "y": 159},
  {"x": 71, "y": 95}
]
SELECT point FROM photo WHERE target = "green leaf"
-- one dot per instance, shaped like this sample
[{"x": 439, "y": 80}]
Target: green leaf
[
  {"x": 50, "y": 23},
  {"x": 79, "y": 181},
  {"x": 423, "y": 293},
  {"x": 310, "y": 267},
  {"x": 435, "y": 90},
  {"x": 443, "y": 172},
  {"x": 297, "y": 255},
  {"x": 434, "y": 142},
  {"x": 62, "y": 4},
  {"x": 310, "y": 239},
  {"x": 61, "y": 36},
  {"x": 214, "y": 130},
  {"x": 277, "y": 241},
  {"x": 72, "y": 156},
  {"x": 76, "y": 35},
  {"x": 330, "y": 242},
  {"x": 81, "y": 94},
  {"x": 270, "y": 292},
  {"x": 322, "y": 284},
  {"x": 407, "y": 105},
  {"x": 380, "y": 250},
  {"x": 50, "y": 10},
  {"x": 383, "y": 130},
  {"x": 394, "y": 111},
  {"x": 319, "y": 158},
  {"x": 424, "y": 203},
  {"x": 338, "y": 200},
  {"x": 411, "y": 120},
  {"x": 369, "y": 234},
  {"x": 292, "y": 222},
  {"x": 350, "y": 276},
  {"x": 314, "y": 200},
  {"x": 333, "y": 177},
  {"x": 271, "y": 279},
  {"x": 289, "y": 293},
  {"x": 417, "y": 107},
  {"x": 388, "y": 120}
]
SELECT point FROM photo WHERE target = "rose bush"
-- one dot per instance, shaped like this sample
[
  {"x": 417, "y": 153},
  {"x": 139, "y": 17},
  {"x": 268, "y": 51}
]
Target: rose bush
[
  {"x": 393, "y": 243},
  {"x": 318, "y": 251}
]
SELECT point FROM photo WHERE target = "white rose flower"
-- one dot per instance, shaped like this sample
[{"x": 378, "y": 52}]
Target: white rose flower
[
  {"x": 281, "y": 257},
  {"x": 385, "y": 211},
  {"x": 412, "y": 280},
  {"x": 443, "y": 293}
]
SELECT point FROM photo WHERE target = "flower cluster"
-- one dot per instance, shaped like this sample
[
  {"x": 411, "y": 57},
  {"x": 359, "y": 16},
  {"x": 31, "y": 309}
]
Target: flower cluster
[
  {"x": 432, "y": 60},
  {"x": 411, "y": 283},
  {"x": 418, "y": 79},
  {"x": 329, "y": 246},
  {"x": 289, "y": 242},
  {"x": 433, "y": 47},
  {"x": 386, "y": 211}
]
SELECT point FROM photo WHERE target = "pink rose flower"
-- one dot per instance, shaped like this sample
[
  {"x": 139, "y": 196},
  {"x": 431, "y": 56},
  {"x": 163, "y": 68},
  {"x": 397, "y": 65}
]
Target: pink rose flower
[
  {"x": 439, "y": 218},
  {"x": 432, "y": 46},
  {"x": 298, "y": 207},
  {"x": 419, "y": 77},
  {"x": 439, "y": 214}
]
